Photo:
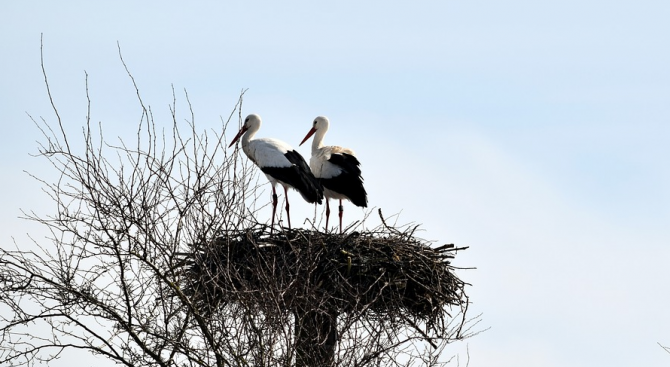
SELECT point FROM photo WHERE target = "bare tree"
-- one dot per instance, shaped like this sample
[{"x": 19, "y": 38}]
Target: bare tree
[{"x": 155, "y": 258}]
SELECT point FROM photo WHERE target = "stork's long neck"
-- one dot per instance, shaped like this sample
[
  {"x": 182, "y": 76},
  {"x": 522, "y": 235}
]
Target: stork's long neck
[
  {"x": 246, "y": 138},
  {"x": 317, "y": 143}
]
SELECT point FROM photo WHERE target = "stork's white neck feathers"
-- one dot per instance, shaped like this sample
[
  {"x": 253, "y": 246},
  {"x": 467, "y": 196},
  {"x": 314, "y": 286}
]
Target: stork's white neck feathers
[
  {"x": 253, "y": 124},
  {"x": 321, "y": 124}
]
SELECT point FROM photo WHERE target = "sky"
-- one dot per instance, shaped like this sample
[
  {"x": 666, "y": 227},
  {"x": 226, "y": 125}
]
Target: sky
[{"x": 534, "y": 132}]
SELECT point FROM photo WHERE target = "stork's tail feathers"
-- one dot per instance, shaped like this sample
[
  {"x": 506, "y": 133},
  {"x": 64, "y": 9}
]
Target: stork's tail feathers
[
  {"x": 349, "y": 182},
  {"x": 310, "y": 188},
  {"x": 299, "y": 176}
]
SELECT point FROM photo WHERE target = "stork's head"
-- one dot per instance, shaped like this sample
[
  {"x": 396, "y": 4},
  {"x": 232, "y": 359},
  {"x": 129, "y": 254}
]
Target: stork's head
[
  {"x": 321, "y": 124},
  {"x": 251, "y": 122}
]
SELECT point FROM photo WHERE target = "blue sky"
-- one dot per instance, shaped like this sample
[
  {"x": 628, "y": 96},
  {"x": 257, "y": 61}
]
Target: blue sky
[{"x": 534, "y": 132}]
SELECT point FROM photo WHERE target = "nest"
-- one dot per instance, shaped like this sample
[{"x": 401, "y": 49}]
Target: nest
[{"x": 382, "y": 272}]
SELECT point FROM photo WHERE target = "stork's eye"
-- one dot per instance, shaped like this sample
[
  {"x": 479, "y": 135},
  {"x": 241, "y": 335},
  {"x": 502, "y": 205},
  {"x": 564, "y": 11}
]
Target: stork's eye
[
  {"x": 246, "y": 119},
  {"x": 314, "y": 122}
]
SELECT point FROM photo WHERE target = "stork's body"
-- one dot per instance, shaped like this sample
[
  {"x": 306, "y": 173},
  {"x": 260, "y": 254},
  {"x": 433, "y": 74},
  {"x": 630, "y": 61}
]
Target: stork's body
[
  {"x": 280, "y": 163},
  {"x": 337, "y": 168}
]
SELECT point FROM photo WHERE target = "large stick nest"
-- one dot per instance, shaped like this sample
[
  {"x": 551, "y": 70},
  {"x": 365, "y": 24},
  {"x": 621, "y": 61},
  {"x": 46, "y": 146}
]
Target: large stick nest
[{"x": 388, "y": 272}]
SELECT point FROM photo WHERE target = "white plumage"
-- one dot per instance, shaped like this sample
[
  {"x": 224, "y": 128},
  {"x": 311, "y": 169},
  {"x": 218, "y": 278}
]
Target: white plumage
[
  {"x": 337, "y": 169},
  {"x": 267, "y": 152},
  {"x": 280, "y": 163}
]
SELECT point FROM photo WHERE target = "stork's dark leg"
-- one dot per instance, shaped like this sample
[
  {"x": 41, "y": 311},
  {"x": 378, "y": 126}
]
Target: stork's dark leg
[
  {"x": 288, "y": 215},
  {"x": 274, "y": 206},
  {"x": 327, "y": 213},
  {"x": 341, "y": 210}
]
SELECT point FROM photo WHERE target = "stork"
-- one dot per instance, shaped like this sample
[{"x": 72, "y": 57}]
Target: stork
[
  {"x": 280, "y": 163},
  {"x": 337, "y": 168}
]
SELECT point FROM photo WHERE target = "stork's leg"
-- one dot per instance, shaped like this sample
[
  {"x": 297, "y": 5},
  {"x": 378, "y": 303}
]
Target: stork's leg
[
  {"x": 327, "y": 213},
  {"x": 341, "y": 210},
  {"x": 274, "y": 207},
  {"x": 288, "y": 215}
]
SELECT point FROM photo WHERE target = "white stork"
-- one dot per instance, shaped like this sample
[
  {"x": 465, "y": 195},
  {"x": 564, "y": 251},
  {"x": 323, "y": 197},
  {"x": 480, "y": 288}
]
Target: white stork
[
  {"x": 337, "y": 168},
  {"x": 280, "y": 163}
]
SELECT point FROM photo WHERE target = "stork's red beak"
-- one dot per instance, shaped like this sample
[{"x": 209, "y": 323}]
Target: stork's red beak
[
  {"x": 309, "y": 134},
  {"x": 239, "y": 134}
]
